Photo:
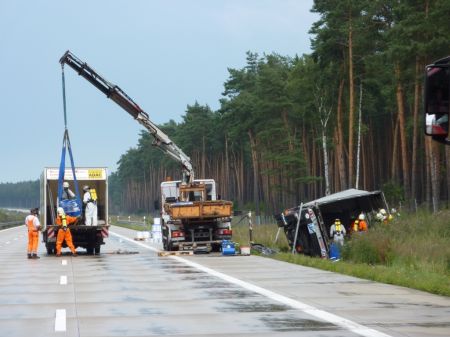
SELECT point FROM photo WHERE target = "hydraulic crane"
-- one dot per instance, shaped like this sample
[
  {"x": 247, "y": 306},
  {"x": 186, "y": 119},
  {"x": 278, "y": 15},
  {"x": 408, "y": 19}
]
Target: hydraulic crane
[
  {"x": 193, "y": 216},
  {"x": 116, "y": 94}
]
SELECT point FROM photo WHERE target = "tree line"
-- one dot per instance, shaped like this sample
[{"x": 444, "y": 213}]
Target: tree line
[
  {"x": 294, "y": 128},
  {"x": 23, "y": 194},
  {"x": 291, "y": 129}
]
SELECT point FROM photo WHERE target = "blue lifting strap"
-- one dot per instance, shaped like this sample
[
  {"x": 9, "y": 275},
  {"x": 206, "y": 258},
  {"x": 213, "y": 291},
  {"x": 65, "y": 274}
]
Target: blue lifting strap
[{"x": 73, "y": 210}]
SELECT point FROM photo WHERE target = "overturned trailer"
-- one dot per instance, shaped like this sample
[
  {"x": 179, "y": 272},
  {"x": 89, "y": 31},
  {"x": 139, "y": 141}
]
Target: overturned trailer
[{"x": 307, "y": 226}]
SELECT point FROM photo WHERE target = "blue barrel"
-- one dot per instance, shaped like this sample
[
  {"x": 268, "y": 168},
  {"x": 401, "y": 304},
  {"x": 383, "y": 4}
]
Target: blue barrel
[
  {"x": 228, "y": 247},
  {"x": 334, "y": 252},
  {"x": 70, "y": 207}
]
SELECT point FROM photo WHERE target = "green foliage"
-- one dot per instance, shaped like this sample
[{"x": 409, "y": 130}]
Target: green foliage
[
  {"x": 20, "y": 195},
  {"x": 393, "y": 192},
  {"x": 410, "y": 251}
]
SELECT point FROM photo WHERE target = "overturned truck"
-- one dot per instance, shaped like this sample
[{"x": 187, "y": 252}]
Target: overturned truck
[{"x": 307, "y": 226}]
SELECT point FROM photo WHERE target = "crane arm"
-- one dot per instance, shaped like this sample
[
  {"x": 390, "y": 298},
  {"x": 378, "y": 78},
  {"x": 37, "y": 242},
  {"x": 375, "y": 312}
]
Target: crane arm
[{"x": 115, "y": 93}]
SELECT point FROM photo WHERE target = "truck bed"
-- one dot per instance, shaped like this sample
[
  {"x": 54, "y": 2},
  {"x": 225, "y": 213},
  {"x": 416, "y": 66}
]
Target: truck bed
[{"x": 200, "y": 209}]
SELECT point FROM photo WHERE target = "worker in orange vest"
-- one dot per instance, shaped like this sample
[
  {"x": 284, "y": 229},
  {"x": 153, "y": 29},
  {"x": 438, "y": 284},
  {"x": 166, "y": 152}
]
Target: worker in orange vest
[
  {"x": 360, "y": 224},
  {"x": 33, "y": 225},
  {"x": 64, "y": 221}
]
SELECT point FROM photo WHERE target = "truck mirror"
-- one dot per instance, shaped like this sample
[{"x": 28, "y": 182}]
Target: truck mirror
[{"x": 437, "y": 103}]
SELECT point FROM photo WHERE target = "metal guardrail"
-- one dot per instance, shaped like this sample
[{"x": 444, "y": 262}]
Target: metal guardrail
[{"x": 4, "y": 225}]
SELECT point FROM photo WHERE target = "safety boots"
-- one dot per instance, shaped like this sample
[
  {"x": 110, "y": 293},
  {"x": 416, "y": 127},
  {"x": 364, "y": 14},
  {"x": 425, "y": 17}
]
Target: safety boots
[
  {"x": 29, "y": 256},
  {"x": 35, "y": 256}
]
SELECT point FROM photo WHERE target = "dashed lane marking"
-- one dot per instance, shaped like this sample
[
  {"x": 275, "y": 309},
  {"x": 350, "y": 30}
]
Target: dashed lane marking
[
  {"x": 306, "y": 308},
  {"x": 63, "y": 280},
  {"x": 64, "y": 262},
  {"x": 60, "y": 320}
]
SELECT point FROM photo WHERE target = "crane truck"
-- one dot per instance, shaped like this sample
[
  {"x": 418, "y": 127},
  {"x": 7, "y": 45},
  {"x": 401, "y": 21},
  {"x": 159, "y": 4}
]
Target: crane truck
[{"x": 193, "y": 217}]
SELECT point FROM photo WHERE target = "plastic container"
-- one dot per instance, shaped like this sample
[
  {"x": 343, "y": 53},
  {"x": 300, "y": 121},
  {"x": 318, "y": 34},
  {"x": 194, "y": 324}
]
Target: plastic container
[
  {"x": 70, "y": 207},
  {"x": 245, "y": 250},
  {"x": 228, "y": 247}
]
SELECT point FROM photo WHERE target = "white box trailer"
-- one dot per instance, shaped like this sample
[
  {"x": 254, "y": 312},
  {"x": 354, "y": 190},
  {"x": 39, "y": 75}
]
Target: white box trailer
[{"x": 89, "y": 237}]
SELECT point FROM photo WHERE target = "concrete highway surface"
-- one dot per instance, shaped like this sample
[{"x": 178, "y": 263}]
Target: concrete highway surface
[{"x": 128, "y": 290}]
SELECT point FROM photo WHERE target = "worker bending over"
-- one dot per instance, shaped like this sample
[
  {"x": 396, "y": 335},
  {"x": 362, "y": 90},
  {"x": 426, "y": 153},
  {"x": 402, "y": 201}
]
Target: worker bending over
[
  {"x": 33, "y": 225},
  {"x": 63, "y": 221}
]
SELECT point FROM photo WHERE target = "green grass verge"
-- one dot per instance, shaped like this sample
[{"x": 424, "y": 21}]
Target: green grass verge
[{"x": 412, "y": 251}]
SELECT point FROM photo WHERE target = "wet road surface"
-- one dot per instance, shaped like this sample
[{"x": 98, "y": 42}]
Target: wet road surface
[{"x": 129, "y": 291}]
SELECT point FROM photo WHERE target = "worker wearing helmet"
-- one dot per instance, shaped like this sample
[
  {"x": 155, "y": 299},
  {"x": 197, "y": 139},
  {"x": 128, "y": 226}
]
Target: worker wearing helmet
[
  {"x": 337, "y": 232},
  {"x": 90, "y": 202},
  {"x": 360, "y": 224},
  {"x": 67, "y": 192},
  {"x": 33, "y": 225},
  {"x": 63, "y": 221}
]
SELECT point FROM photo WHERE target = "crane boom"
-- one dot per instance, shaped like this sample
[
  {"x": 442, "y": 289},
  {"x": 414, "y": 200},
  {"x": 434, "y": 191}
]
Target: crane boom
[{"x": 115, "y": 93}]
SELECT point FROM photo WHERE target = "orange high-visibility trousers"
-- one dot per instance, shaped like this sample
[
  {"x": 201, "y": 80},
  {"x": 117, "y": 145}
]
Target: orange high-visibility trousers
[
  {"x": 33, "y": 239},
  {"x": 64, "y": 235}
]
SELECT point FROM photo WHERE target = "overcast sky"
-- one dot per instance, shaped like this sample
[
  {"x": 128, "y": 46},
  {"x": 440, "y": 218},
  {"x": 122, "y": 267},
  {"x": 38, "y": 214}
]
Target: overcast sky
[{"x": 165, "y": 54}]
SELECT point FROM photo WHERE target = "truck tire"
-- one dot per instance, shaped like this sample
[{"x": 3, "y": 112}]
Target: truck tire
[{"x": 97, "y": 250}]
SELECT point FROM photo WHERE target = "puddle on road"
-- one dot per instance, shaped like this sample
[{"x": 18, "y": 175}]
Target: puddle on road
[
  {"x": 150, "y": 311},
  {"x": 253, "y": 306},
  {"x": 292, "y": 323},
  {"x": 212, "y": 284},
  {"x": 227, "y": 294},
  {"x": 132, "y": 299},
  {"x": 393, "y": 305}
]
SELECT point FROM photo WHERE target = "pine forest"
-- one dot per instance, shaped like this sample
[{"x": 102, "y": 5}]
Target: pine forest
[{"x": 293, "y": 128}]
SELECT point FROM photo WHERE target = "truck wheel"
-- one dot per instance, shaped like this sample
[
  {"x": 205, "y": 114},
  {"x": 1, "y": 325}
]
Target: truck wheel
[{"x": 97, "y": 250}]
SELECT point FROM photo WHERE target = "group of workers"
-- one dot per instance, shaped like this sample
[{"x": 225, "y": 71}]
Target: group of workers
[
  {"x": 63, "y": 221},
  {"x": 338, "y": 230}
]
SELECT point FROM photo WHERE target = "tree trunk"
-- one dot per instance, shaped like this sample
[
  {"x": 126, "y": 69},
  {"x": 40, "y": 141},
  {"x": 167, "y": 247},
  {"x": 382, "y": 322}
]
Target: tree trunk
[
  {"x": 417, "y": 91},
  {"x": 402, "y": 126},
  {"x": 340, "y": 139},
  {"x": 255, "y": 170},
  {"x": 351, "y": 102},
  {"x": 358, "y": 150}
]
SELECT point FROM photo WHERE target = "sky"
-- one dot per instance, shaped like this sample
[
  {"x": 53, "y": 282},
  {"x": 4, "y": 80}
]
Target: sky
[{"x": 165, "y": 54}]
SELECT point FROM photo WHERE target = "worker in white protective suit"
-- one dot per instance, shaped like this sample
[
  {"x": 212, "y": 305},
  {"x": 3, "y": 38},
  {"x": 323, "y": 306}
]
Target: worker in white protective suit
[{"x": 90, "y": 202}]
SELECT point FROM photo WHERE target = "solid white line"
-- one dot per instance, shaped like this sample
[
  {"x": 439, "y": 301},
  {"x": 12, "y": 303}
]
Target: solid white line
[
  {"x": 64, "y": 262},
  {"x": 8, "y": 229},
  {"x": 60, "y": 320},
  {"x": 306, "y": 308},
  {"x": 63, "y": 280}
]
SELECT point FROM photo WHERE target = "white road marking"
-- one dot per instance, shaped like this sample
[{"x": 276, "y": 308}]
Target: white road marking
[
  {"x": 63, "y": 280},
  {"x": 7, "y": 242},
  {"x": 64, "y": 262},
  {"x": 306, "y": 308},
  {"x": 8, "y": 229},
  {"x": 60, "y": 320}
]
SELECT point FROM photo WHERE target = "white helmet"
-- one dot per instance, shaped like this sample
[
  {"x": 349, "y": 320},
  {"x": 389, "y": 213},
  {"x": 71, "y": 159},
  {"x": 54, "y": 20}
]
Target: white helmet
[
  {"x": 85, "y": 188},
  {"x": 383, "y": 211},
  {"x": 60, "y": 211},
  {"x": 379, "y": 216},
  {"x": 65, "y": 184},
  {"x": 361, "y": 216}
]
